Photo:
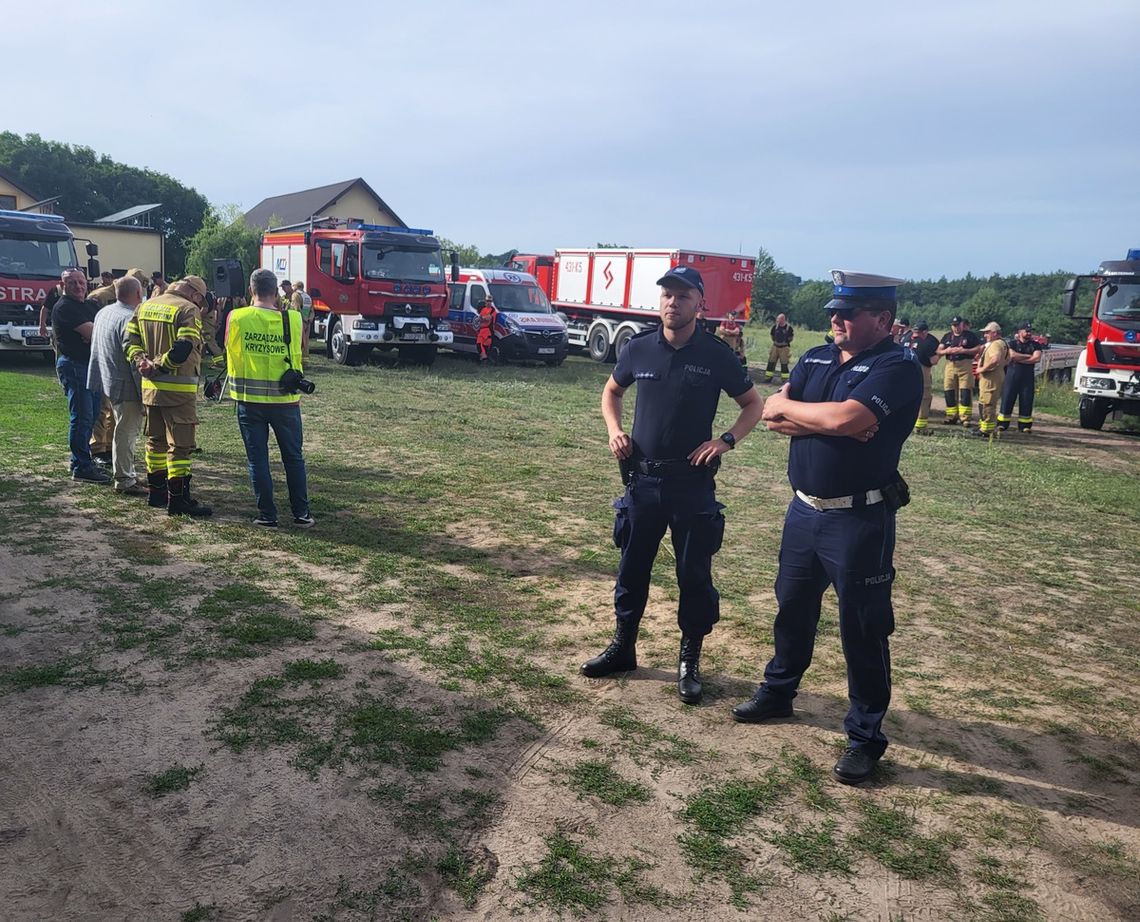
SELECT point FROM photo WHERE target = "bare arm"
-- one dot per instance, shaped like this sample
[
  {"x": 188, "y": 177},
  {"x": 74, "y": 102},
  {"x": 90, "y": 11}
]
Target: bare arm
[
  {"x": 751, "y": 407},
  {"x": 620, "y": 443},
  {"x": 84, "y": 331}
]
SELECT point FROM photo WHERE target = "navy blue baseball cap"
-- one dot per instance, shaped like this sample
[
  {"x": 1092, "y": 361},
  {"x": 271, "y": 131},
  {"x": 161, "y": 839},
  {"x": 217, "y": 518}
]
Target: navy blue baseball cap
[{"x": 686, "y": 275}]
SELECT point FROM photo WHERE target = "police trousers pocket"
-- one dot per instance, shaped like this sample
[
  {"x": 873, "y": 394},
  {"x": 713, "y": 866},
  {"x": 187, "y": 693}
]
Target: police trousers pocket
[
  {"x": 710, "y": 530},
  {"x": 622, "y": 524}
]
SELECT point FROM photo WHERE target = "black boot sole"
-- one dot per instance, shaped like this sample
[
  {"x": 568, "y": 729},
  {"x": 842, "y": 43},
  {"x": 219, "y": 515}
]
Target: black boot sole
[
  {"x": 690, "y": 699},
  {"x": 764, "y": 717},
  {"x": 600, "y": 672}
]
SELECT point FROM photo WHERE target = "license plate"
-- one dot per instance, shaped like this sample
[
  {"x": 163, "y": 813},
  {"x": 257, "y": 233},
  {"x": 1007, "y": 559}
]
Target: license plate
[
  {"x": 36, "y": 340},
  {"x": 413, "y": 337},
  {"x": 546, "y": 350}
]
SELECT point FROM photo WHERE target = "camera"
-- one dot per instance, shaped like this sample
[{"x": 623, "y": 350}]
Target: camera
[{"x": 293, "y": 381}]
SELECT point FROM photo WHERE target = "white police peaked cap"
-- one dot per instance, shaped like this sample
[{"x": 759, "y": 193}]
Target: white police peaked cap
[{"x": 860, "y": 289}]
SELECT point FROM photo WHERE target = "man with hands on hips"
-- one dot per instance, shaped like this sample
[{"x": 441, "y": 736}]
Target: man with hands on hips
[{"x": 669, "y": 463}]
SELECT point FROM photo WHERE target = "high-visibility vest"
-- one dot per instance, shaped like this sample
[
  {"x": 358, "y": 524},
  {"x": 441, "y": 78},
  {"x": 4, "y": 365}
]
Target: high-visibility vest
[{"x": 255, "y": 354}]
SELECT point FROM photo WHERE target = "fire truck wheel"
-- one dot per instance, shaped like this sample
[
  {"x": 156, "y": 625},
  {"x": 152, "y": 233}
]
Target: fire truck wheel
[
  {"x": 601, "y": 349},
  {"x": 339, "y": 349},
  {"x": 1093, "y": 412}
]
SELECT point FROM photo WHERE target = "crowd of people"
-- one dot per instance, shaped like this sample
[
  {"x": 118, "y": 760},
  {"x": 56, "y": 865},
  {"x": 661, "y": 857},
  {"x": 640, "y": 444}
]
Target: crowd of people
[
  {"x": 847, "y": 405},
  {"x": 130, "y": 356}
]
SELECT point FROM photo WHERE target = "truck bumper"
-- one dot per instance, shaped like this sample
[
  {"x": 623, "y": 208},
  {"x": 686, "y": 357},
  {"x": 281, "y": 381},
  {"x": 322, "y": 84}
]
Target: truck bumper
[
  {"x": 399, "y": 331},
  {"x": 24, "y": 339},
  {"x": 532, "y": 347}
]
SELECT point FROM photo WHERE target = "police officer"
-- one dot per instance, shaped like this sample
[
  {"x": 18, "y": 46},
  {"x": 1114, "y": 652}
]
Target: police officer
[
  {"x": 164, "y": 342},
  {"x": 848, "y": 407},
  {"x": 671, "y": 459},
  {"x": 1024, "y": 354},
  {"x": 959, "y": 347}
]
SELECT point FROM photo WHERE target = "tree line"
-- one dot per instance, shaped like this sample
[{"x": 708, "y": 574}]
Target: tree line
[
  {"x": 92, "y": 186},
  {"x": 1008, "y": 299}
]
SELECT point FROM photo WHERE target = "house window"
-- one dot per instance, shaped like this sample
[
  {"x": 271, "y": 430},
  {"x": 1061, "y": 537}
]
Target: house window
[{"x": 8, "y": 202}]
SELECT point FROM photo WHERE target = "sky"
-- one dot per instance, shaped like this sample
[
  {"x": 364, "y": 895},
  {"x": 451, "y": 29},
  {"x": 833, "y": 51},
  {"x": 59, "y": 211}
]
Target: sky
[{"x": 901, "y": 138}]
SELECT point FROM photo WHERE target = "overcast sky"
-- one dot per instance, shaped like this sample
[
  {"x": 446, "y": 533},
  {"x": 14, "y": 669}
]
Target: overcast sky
[{"x": 904, "y": 138}]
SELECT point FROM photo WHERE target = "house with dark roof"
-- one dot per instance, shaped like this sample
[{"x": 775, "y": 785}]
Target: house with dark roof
[
  {"x": 353, "y": 198},
  {"x": 15, "y": 196}
]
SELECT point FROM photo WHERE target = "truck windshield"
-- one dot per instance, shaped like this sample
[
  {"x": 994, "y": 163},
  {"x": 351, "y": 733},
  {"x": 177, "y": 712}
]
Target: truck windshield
[
  {"x": 405, "y": 265},
  {"x": 27, "y": 257},
  {"x": 1120, "y": 301},
  {"x": 520, "y": 299}
]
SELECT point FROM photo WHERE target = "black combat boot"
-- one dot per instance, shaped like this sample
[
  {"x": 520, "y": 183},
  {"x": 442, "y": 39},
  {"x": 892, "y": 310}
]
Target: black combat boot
[
  {"x": 619, "y": 656},
  {"x": 180, "y": 501},
  {"x": 157, "y": 484},
  {"x": 689, "y": 669}
]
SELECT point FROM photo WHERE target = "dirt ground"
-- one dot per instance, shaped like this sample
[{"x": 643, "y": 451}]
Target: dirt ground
[{"x": 254, "y": 838}]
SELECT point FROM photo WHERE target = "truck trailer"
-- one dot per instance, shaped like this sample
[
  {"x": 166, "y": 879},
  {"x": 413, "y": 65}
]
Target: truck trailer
[{"x": 609, "y": 295}]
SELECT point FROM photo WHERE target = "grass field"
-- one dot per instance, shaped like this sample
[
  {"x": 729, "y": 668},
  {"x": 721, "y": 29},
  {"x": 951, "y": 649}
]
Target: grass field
[{"x": 381, "y": 718}]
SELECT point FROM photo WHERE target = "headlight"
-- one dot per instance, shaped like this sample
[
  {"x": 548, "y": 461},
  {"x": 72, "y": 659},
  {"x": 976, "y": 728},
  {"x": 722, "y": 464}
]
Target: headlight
[
  {"x": 364, "y": 325},
  {"x": 1104, "y": 384},
  {"x": 511, "y": 323}
]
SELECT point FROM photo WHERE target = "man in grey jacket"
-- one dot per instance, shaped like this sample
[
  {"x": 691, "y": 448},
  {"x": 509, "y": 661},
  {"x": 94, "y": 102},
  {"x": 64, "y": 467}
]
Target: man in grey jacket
[{"x": 111, "y": 373}]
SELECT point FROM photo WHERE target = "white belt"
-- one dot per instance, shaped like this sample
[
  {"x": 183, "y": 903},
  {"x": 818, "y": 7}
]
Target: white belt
[{"x": 821, "y": 503}]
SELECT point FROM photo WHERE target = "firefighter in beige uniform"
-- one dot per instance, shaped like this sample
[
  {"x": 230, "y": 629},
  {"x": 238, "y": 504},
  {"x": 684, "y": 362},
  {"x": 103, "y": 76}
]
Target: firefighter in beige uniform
[
  {"x": 991, "y": 377},
  {"x": 164, "y": 341},
  {"x": 103, "y": 432}
]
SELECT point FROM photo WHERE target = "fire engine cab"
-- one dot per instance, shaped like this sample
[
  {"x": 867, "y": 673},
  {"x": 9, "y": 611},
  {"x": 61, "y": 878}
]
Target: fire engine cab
[
  {"x": 1108, "y": 371},
  {"x": 372, "y": 286}
]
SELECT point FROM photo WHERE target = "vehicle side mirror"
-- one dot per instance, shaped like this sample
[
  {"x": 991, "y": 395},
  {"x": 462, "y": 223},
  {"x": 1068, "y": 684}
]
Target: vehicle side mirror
[
  {"x": 92, "y": 249},
  {"x": 351, "y": 266},
  {"x": 93, "y": 267},
  {"x": 1069, "y": 301},
  {"x": 454, "y": 256}
]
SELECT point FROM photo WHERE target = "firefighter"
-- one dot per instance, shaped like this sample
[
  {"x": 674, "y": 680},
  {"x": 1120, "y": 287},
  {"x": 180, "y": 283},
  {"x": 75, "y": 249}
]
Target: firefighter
[
  {"x": 164, "y": 341},
  {"x": 733, "y": 336},
  {"x": 286, "y": 300},
  {"x": 925, "y": 349},
  {"x": 959, "y": 347},
  {"x": 781, "y": 351},
  {"x": 485, "y": 338},
  {"x": 991, "y": 375},
  {"x": 1024, "y": 353}
]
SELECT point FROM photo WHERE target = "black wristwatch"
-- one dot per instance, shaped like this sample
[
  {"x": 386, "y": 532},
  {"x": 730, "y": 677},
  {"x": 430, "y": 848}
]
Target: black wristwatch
[{"x": 729, "y": 439}]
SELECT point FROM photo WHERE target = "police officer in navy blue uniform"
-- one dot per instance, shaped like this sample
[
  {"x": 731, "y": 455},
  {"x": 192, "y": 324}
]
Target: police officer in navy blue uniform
[
  {"x": 669, "y": 465},
  {"x": 848, "y": 407}
]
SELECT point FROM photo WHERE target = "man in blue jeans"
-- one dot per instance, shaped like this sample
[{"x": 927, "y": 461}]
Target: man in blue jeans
[
  {"x": 263, "y": 343},
  {"x": 72, "y": 319}
]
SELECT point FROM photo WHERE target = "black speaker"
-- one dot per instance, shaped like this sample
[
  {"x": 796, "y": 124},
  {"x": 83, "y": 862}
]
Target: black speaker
[{"x": 229, "y": 279}]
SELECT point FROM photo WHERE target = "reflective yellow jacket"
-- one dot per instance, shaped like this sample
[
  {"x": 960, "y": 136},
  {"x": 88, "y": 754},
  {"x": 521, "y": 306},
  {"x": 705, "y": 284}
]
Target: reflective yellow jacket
[{"x": 255, "y": 354}]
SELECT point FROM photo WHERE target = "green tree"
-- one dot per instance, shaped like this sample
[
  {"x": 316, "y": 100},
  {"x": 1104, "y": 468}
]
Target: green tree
[
  {"x": 91, "y": 186},
  {"x": 806, "y": 308},
  {"x": 223, "y": 235},
  {"x": 772, "y": 289}
]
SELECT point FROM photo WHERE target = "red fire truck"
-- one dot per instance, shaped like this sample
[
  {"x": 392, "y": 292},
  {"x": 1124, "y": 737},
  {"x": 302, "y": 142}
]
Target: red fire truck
[
  {"x": 34, "y": 250},
  {"x": 608, "y": 295},
  {"x": 372, "y": 286},
  {"x": 1108, "y": 371}
]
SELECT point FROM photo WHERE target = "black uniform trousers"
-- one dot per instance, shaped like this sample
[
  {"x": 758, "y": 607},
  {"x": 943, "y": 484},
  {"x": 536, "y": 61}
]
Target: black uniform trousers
[
  {"x": 685, "y": 505},
  {"x": 851, "y": 549},
  {"x": 1019, "y": 385}
]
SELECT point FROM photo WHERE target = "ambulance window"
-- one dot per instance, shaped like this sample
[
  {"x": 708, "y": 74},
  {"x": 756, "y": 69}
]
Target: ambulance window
[
  {"x": 457, "y": 292},
  {"x": 478, "y": 293}
]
